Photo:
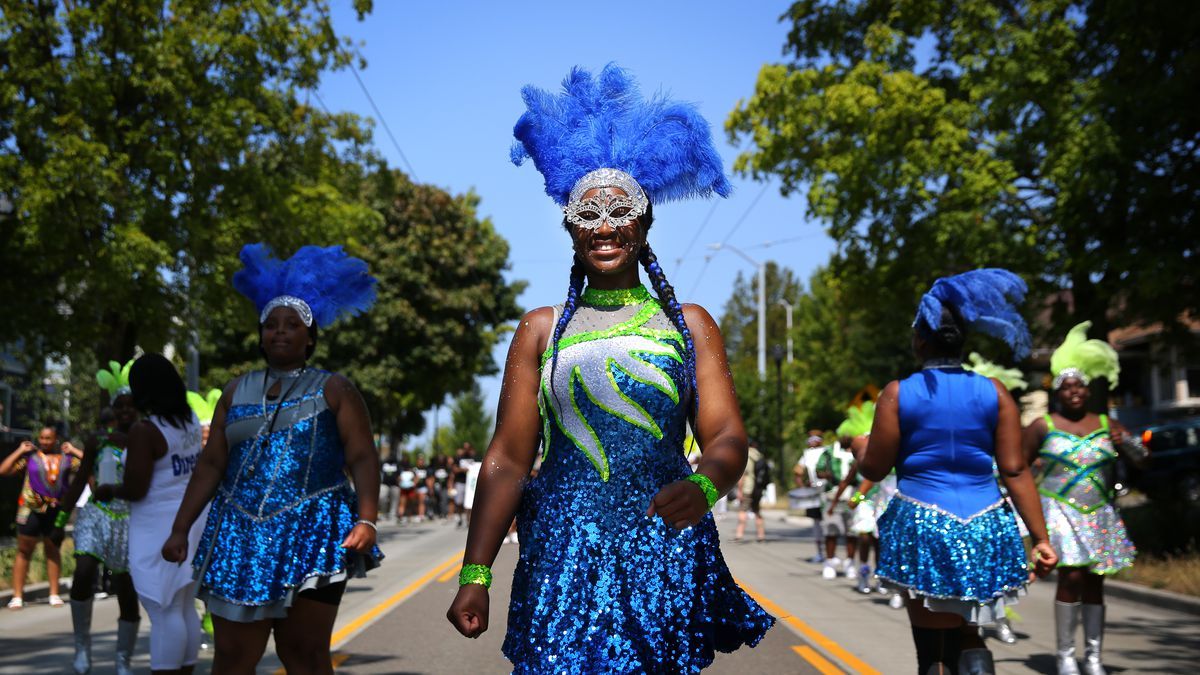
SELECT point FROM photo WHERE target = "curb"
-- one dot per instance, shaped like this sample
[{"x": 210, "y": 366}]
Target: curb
[{"x": 1152, "y": 596}]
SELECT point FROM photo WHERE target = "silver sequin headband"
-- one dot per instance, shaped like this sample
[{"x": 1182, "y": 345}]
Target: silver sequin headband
[
  {"x": 291, "y": 301},
  {"x": 1069, "y": 373}
]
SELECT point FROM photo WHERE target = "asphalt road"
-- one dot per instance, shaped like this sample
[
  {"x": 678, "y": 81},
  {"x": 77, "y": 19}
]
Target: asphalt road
[{"x": 393, "y": 622}]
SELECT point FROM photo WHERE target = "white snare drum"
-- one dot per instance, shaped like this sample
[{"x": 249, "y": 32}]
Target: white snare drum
[{"x": 804, "y": 498}]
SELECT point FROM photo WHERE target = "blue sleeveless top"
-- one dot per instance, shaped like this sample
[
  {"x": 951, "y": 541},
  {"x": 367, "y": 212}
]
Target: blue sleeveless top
[{"x": 947, "y": 440}]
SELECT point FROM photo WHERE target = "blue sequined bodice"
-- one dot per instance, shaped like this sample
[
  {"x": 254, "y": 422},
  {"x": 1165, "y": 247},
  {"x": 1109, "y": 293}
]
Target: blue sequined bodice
[
  {"x": 269, "y": 470},
  {"x": 601, "y": 586},
  {"x": 947, "y": 440}
]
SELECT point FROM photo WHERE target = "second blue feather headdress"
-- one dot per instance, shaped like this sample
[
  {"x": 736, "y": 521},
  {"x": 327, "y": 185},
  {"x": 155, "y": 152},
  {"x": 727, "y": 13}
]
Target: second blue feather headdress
[
  {"x": 987, "y": 300},
  {"x": 322, "y": 284},
  {"x": 603, "y": 122}
]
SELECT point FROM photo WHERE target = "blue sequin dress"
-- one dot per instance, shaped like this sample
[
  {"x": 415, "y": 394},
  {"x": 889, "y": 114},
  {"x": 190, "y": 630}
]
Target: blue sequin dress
[
  {"x": 949, "y": 536},
  {"x": 600, "y": 586},
  {"x": 285, "y": 505}
]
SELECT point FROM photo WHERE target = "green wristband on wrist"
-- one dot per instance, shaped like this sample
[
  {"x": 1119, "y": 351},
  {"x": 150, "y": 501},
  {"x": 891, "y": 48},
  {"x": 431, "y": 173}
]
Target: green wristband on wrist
[
  {"x": 61, "y": 519},
  {"x": 858, "y": 498},
  {"x": 710, "y": 491},
  {"x": 475, "y": 574}
]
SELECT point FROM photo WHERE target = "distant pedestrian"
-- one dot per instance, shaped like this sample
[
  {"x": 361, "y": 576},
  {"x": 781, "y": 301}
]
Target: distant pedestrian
[
  {"x": 48, "y": 467},
  {"x": 389, "y": 487},
  {"x": 750, "y": 490}
]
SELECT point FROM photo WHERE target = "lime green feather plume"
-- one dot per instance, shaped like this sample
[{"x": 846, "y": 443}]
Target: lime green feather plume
[
  {"x": 1011, "y": 378},
  {"x": 1094, "y": 358},
  {"x": 858, "y": 420},
  {"x": 204, "y": 406},
  {"x": 114, "y": 379}
]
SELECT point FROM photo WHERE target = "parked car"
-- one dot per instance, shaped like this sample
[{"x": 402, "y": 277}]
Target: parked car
[{"x": 1174, "y": 469}]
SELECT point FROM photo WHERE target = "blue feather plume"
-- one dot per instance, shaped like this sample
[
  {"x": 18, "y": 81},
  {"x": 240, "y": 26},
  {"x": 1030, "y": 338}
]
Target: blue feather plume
[
  {"x": 604, "y": 122},
  {"x": 333, "y": 283},
  {"x": 987, "y": 300}
]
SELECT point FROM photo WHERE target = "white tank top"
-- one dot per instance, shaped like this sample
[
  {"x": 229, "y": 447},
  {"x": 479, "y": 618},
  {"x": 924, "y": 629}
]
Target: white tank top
[{"x": 151, "y": 517}]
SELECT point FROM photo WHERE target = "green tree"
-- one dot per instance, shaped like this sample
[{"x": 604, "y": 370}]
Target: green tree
[
  {"x": 469, "y": 420},
  {"x": 142, "y": 142},
  {"x": 1056, "y": 138}
]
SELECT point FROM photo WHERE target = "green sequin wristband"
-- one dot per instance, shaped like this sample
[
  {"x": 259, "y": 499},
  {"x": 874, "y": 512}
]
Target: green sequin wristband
[
  {"x": 475, "y": 574},
  {"x": 710, "y": 491},
  {"x": 858, "y": 498},
  {"x": 61, "y": 519}
]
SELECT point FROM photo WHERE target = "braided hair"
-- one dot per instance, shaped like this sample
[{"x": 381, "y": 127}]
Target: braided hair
[
  {"x": 574, "y": 290},
  {"x": 674, "y": 312}
]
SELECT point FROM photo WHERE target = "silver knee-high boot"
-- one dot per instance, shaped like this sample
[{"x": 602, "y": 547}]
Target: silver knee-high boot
[
  {"x": 81, "y": 621},
  {"x": 1093, "y": 639},
  {"x": 976, "y": 662},
  {"x": 1066, "y": 621},
  {"x": 127, "y": 632}
]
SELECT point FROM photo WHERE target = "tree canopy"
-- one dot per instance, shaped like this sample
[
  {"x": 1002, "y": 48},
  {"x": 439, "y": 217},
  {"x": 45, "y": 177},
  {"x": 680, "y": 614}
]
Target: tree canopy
[{"x": 1055, "y": 138}]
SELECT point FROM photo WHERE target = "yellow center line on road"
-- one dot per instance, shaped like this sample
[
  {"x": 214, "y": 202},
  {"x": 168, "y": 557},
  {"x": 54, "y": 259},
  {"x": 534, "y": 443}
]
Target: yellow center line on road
[
  {"x": 450, "y": 573},
  {"x": 822, "y": 664},
  {"x": 856, "y": 664},
  {"x": 400, "y": 596},
  {"x": 362, "y": 620}
]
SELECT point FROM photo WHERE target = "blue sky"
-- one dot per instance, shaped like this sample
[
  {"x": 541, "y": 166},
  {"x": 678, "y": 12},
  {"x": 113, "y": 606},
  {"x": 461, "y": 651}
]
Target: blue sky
[{"x": 447, "y": 78}]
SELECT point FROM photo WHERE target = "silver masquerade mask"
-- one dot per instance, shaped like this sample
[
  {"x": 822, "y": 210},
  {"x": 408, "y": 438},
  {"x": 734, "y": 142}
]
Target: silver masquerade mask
[
  {"x": 591, "y": 213},
  {"x": 291, "y": 301}
]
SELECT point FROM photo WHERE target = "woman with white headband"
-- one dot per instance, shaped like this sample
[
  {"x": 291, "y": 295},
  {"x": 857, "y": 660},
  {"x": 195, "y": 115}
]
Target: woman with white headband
[
  {"x": 1078, "y": 449},
  {"x": 286, "y": 527}
]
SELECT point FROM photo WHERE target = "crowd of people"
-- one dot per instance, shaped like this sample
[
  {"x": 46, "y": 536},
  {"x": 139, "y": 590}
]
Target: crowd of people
[{"x": 618, "y": 435}]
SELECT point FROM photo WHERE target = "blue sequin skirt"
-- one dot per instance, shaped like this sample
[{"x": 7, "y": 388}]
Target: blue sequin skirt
[
  {"x": 970, "y": 566},
  {"x": 251, "y": 567},
  {"x": 647, "y": 599}
]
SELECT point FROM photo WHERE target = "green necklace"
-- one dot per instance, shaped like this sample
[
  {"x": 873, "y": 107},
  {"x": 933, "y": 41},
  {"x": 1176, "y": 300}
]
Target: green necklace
[{"x": 616, "y": 298}]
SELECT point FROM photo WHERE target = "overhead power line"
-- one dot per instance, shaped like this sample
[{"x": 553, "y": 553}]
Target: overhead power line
[{"x": 383, "y": 122}]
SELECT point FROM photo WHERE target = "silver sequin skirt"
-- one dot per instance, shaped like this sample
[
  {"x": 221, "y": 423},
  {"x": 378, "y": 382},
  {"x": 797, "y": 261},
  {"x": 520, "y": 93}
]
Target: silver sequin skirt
[
  {"x": 103, "y": 536},
  {"x": 1095, "y": 540}
]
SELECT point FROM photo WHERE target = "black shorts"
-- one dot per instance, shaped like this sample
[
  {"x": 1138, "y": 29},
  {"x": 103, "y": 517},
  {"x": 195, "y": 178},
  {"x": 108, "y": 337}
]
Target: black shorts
[
  {"x": 330, "y": 594},
  {"x": 38, "y": 524}
]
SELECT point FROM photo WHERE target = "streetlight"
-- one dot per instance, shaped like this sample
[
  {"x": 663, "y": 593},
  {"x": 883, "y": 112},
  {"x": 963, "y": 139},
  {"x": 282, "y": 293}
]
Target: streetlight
[
  {"x": 777, "y": 354},
  {"x": 762, "y": 305},
  {"x": 788, "y": 306}
]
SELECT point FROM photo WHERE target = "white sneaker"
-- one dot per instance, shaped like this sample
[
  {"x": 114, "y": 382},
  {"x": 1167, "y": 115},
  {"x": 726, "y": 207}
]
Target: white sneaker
[
  {"x": 897, "y": 602},
  {"x": 850, "y": 570},
  {"x": 1004, "y": 632},
  {"x": 830, "y": 569},
  {"x": 16, "y": 603},
  {"x": 56, "y": 601}
]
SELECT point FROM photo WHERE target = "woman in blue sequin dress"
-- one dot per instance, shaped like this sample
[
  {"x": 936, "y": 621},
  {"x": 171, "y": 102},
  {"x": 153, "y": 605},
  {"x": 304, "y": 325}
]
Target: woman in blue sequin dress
[
  {"x": 948, "y": 538},
  {"x": 286, "y": 527},
  {"x": 620, "y": 569}
]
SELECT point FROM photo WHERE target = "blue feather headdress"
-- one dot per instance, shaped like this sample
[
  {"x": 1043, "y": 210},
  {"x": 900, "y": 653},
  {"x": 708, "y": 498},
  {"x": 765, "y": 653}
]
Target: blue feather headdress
[
  {"x": 321, "y": 284},
  {"x": 987, "y": 300},
  {"x": 603, "y": 122}
]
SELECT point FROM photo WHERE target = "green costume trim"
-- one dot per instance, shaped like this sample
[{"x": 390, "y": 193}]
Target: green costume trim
[
  {"x": 631, "y": 326},
  {"x": 1081, "y": 471},
  {"x": 711, "y": 495},
  {"x": 601, "y": 462},
  {"x": 616, "y": 298},
  {"x": 475, "y": 574}
]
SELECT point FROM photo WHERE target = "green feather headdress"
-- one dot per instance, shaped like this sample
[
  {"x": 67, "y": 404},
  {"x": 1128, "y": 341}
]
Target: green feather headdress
[
  {"x": 858, "y": 420},
  {"x": 1084, "y": 359},
  {"x": 204, "y": 406},
  {"x": 115, "y": 380},
  {"x": 1011, "y": 378}
]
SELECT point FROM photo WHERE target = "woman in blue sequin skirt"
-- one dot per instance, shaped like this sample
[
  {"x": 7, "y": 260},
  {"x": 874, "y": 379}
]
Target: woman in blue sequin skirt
[
  {"x": 286, "y": 527},
  {"x": 948, "y": 538},
  {"x": 620, "y": 568}
]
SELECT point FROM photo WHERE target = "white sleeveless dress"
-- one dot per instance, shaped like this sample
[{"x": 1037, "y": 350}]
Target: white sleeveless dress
[{"x": 151, "y": 517}]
